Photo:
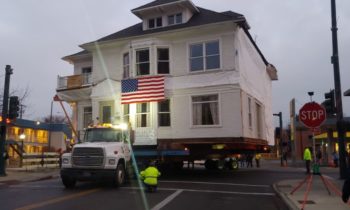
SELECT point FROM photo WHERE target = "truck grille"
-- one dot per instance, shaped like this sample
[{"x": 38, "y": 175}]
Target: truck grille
[{"x": 92, "y": 157}]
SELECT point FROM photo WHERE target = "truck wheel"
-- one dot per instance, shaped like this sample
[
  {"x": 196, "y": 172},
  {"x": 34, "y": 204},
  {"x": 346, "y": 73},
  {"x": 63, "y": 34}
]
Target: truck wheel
[
  {"x": 119, "y": 175},
  {"x": 234, "y": 165},
  {"x": 68, "y": 182}
]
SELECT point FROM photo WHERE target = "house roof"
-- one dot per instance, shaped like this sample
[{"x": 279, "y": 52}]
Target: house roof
[
  {"x": 202, "y": 18},
  {"x": 55, "y": 127},
  {"x": 155, "y": 3}
]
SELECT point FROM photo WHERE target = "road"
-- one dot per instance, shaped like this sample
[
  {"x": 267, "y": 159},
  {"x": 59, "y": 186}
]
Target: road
[{"x": 189, "y": 189}]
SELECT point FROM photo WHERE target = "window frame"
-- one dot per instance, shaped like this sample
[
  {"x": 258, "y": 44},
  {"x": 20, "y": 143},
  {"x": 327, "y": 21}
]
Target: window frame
[
  {"x": 164, "y": 112},
  {"x": 126, "y": 115},
  {"x": 250, "y": 114},
  {"x": 85, "y": 113},
  {"x": 218, "y": 110},
  {"x": 137, "y": 63},
  {"x": 155, "y": 22},
  {"x": 138, "y": 123},
  {"x": 175, "y": 16},
  {"x": 126, "y": 66},
  {"x": 204, "y": 57},
  {"x": 158, "y": 60}
]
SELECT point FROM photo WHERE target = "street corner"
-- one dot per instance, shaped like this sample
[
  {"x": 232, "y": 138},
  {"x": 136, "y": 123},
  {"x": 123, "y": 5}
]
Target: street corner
[{"x": 283, "y": 189}]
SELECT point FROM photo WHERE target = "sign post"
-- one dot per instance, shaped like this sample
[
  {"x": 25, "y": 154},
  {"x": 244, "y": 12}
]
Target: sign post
[{"x": 312, "y": 115}]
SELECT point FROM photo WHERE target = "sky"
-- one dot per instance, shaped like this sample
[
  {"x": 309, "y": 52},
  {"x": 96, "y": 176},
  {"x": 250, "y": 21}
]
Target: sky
[{"x": 294, "y": 36}]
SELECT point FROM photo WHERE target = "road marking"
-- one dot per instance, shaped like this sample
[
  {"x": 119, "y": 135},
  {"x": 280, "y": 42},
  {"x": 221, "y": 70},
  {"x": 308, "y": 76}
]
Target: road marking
[
  {"x": 57, "y": 200},
  {"x": 217, "y": 183},
  {"x": 207, "y": 191},
  {"x": 167, "y": 200},
  {"x": 36, "y": 186}
]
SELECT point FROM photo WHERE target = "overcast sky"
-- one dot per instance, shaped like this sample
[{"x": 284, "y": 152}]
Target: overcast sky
[{"x": 294, "y": 35}]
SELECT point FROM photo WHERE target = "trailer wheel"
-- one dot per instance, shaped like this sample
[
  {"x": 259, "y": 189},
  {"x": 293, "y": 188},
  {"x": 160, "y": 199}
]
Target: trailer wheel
[
  {"x": 234, "y": 165},
  {"x": 119, "y": 178},
  {"x": 68, "y": 182}
]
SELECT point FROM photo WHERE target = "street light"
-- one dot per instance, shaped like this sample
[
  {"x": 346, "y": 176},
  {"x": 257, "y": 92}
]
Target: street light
[{"x": 281, "y": 124}]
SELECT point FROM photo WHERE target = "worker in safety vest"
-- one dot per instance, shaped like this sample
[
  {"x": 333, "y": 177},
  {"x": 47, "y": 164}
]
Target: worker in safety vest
[
  {"x": 257, "y": 159},
  {"x": 307, "y": 158},
  {"x": 150, "y": 177}
]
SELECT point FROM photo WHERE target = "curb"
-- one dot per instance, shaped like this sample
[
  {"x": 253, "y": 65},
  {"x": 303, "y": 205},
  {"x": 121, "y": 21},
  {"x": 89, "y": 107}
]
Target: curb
[{"x": 284, "y": 197}]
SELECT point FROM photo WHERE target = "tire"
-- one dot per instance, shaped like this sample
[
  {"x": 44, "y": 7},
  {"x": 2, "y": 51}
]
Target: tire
[
  {"x": 119, "y": 178},
  {"x": 234, "y": 165},
  {"x": 68, "y": 182}
]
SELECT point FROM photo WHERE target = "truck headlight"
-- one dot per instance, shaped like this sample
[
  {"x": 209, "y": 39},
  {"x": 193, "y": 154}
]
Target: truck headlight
[
  {"x": 111, "y": 161},
  {"x": 65, "y": 161}
]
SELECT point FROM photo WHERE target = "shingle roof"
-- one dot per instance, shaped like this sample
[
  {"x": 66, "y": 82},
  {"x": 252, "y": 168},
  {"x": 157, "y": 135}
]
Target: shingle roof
[
  {"x": 155, "y": 3},
  {"x": 202, "y": 18}
]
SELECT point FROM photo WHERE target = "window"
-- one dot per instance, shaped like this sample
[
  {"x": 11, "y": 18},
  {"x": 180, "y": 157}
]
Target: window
[
  {"x": 164, "y": 113},
  {"x": 126, "y": 113},
  {"x": 87, "y": 116},
  {"x": 126, "y": 66},
  {"x": 142, "y": 62},
  {"x": 106, "y": 114},
  {"x": 142, "y": 115},
  {"x": 155, "y": 23},
  {"x": 205, "y": 110},
  {"x": 258, "y": 120},
  {"x": 86, "y": 73},
  {"x": 175, "y": 19},
  {"x": 86, "y": 70},
  {"x": 163, "y": 60},
  {"x": 250, "y": 123},
  {"x": 204, "y": 56}
]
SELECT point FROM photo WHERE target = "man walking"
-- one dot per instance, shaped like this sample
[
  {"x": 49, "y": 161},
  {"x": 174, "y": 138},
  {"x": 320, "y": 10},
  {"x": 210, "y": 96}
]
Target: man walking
[{"x": 307, "y": 158}]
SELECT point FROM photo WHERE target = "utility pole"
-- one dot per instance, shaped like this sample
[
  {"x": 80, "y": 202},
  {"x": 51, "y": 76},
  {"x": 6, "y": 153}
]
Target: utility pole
[
  {"x": 8, "y": 71},
  {"x": 338, "y": 97}
]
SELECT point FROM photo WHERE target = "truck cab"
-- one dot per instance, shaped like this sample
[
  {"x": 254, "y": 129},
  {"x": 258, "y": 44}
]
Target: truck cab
[{"x": 104, "y": 154}]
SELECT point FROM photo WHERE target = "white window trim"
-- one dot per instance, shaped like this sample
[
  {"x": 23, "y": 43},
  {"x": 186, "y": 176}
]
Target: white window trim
[
  {"x": 249, "y": 112},
  {"x": 155, "y": 58},
  {"x": 219, "y": 111},
  {"x": 149, "y": 61},
  {"x": 123, "y": 65},
  {"x": 149, "y": 115},
  {"x": 170, "y": 113},
  {"x": 155, "y": 22},
  {"x": 204, "y": 63},
  {"x": 174, "y": 15}
]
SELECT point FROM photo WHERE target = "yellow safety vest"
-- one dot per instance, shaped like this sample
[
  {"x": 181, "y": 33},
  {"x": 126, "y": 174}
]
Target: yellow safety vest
[
  {"x": 307, "y": 154},
  {"x": 150, "y": 175}
]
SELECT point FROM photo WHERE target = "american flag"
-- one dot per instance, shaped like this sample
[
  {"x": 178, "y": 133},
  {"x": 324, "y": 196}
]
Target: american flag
[{"x": 143, "y": 89}]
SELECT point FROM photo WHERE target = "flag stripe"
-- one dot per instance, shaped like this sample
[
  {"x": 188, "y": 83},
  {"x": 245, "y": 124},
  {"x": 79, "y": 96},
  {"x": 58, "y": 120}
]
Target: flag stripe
[{"x": 144, "y": 89}]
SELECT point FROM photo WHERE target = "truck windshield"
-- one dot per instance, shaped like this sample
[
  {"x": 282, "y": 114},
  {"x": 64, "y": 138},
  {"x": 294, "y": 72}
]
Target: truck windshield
[{"x": 103, "y": 135}]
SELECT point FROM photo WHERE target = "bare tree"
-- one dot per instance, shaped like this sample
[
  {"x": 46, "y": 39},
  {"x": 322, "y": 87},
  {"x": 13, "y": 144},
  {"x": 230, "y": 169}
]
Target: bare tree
[
  {"x": 22, "y": 94},
  {"x": 55, "y": 119}
]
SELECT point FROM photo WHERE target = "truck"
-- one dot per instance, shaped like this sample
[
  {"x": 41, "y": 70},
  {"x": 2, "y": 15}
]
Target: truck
[
  {"x": 107, "y": 153},
  {"x": 104, "y": 154}
]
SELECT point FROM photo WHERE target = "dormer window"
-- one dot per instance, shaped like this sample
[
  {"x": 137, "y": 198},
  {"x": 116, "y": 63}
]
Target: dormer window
[
  {"x": 175, "y": 19},
  {"x": 155, "y": 22}
]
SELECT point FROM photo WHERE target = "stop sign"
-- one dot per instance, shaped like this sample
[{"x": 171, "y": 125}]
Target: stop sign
[{"x": 312, "y": 114}]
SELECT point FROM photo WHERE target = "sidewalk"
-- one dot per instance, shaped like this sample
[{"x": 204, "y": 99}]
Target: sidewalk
[
  {"x": 17, "y": 175},
  {"x": 319, "y": 197}
]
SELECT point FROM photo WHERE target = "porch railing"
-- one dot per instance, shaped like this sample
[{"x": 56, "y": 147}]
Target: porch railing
[{"x": 74, "y": 81}]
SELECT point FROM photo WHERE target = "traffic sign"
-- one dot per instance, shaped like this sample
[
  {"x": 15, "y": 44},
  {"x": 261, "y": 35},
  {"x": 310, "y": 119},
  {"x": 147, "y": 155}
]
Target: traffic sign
[{"x": 312, "y": 115}]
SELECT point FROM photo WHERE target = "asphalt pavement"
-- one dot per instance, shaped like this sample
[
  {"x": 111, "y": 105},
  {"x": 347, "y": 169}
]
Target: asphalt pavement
[{"x": 310, "y": 192}]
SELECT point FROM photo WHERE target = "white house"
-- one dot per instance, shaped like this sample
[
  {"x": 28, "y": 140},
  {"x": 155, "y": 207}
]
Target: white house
[{"x": 217, "y": 85}]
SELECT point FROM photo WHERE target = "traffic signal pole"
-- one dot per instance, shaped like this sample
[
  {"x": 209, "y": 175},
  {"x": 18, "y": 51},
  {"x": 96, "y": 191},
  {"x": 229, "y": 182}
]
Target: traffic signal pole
[
  {"x": 338, "y": 97},
  {"x": 8, "y": 70}
]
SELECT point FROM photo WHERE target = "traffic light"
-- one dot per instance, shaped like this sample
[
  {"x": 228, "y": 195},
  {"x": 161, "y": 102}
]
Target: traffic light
[
  {"x": 13, "y": 107},
  {"x": 329, "y": 103}
]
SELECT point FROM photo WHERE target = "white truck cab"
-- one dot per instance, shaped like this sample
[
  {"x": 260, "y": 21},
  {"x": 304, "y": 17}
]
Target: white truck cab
[{"x": 104, "y": 154}]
